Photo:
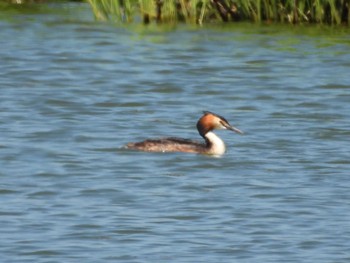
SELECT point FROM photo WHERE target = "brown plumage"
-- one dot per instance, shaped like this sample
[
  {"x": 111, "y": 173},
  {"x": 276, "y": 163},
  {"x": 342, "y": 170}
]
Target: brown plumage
[{"x": 213, "y": 144}]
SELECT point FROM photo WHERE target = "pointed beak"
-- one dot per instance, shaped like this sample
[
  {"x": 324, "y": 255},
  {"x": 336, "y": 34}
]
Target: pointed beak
[{"x": 232, "y": 128}]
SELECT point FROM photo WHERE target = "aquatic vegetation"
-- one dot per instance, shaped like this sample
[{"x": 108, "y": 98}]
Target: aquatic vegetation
[{"x": 204, "y": 11}]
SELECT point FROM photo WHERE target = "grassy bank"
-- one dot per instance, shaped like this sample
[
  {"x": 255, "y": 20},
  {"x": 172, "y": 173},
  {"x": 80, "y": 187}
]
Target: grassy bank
[{"x": 333, "y": 12}]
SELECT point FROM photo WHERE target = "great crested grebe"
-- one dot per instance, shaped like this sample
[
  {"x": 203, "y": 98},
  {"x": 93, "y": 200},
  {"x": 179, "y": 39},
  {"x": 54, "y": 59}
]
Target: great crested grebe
[{"x": 205, "y": 125}]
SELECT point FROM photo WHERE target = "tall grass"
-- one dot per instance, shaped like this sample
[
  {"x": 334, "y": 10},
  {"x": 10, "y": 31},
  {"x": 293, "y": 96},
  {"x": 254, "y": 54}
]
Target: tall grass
[
  {"x": 113, "y": 9},
  {"x": 204, "y": 11}
]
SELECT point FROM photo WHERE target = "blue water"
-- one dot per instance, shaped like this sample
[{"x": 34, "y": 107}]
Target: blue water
[{"x": 73, "y": 91}]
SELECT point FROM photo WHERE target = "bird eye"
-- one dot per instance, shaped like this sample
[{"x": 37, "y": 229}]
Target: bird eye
[{"x": 223, "y": 124}]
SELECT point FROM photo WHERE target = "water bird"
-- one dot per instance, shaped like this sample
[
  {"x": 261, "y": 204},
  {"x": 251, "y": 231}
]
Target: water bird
[{"x": 206, "y": 124}]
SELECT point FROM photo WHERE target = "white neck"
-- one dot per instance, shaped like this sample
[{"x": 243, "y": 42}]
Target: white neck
[{"x": 217, "y": 145}]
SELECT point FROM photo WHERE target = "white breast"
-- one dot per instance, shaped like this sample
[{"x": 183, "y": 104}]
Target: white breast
[{"x": 217, "y": 145}]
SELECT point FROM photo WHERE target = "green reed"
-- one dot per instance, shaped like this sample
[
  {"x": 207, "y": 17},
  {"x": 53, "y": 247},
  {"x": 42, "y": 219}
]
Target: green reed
[{"x": 204, "y": 11}]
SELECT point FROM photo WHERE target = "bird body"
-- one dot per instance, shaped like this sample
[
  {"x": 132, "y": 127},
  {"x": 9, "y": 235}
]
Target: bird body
[{"x": 213, "y": 145}]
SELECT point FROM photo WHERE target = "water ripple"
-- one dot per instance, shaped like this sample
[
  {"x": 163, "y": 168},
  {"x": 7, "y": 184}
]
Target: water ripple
[{"x": 74, "y": 91}]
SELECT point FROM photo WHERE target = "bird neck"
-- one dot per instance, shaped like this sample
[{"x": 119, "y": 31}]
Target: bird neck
[{"x": 215, "y": 145}]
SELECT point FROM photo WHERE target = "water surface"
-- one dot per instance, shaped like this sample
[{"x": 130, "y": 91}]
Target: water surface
[{"x": 73, "y": 91}]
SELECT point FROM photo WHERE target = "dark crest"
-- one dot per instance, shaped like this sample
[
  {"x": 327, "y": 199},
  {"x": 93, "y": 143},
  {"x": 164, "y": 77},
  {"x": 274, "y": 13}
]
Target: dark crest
[{"x": 217, "y": 115}]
